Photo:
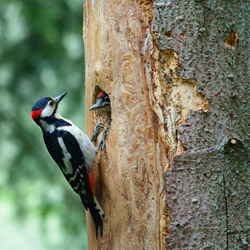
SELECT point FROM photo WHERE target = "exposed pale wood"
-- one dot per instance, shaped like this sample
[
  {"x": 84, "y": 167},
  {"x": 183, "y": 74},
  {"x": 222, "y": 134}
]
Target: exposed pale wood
[{"x": 131, "y": 174}]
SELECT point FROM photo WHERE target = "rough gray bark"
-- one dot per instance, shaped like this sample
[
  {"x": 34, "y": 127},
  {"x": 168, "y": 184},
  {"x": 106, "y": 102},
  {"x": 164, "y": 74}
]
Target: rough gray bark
[{"x": 207, "y": 187}]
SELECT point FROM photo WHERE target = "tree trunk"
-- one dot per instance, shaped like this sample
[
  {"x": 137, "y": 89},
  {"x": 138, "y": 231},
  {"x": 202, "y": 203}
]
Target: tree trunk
[{"x": 176, "y": 172}]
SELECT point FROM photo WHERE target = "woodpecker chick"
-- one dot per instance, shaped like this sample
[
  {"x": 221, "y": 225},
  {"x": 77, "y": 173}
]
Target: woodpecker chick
[
  {"x": 102, "y": 102},
  {"x": 73, "y": 152}
]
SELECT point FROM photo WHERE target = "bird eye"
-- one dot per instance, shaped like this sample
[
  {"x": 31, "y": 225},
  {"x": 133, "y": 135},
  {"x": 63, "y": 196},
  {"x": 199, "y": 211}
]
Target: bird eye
[{"x": 51, "y": 103}]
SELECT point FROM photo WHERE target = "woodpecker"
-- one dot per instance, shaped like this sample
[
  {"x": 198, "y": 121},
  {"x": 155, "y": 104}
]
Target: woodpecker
[
  {"x": 72, "y": 151},
  {"x": 102, "y": 102}
]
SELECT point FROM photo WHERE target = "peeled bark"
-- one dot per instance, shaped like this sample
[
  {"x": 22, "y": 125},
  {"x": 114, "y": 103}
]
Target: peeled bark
[{"x": 176, "y": 171}]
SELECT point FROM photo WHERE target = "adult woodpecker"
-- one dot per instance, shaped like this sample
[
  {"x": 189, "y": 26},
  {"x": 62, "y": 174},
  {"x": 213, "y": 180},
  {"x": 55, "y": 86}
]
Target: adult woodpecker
[{"x": 73, "y": 152}]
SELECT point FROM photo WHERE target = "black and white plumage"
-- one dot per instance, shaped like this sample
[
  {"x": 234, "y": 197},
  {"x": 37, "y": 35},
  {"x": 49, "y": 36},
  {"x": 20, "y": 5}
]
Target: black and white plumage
[{"x": 72, "y": 150}]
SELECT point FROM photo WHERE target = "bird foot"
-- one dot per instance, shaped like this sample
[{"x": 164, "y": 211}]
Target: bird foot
[
  {"x": 102, "y": 142},
  {"x": 96, "y": 132}
]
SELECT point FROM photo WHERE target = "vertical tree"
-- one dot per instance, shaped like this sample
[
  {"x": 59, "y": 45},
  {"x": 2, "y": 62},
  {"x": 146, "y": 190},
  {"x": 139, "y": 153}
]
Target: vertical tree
[{"x": 176, "y": 172}]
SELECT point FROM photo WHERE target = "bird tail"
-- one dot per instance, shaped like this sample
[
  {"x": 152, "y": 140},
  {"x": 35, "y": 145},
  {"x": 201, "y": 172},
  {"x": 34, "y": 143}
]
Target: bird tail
[{"x": 98, "y": 215}]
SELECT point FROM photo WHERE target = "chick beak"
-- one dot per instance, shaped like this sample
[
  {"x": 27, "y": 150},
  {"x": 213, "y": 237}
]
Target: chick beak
[{"x": 98, "y": 104}]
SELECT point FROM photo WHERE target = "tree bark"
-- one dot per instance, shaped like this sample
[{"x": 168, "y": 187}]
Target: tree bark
[{"x": 176, "y": 172}]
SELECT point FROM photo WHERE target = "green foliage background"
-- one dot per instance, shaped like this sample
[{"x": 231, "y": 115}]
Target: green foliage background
[{"x": 41, "y": 54}]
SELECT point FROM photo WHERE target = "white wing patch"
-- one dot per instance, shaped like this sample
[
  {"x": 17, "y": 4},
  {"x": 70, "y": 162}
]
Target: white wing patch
[
  {"x": 66, "y": 157},
  {"x": 86, "y": 146}
]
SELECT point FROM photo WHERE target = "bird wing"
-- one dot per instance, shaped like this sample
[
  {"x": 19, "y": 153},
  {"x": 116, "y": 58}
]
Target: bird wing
[
  {"x": 74, "y": 167},
  {"x": 78, "y": 177},
  {"x": 86, "y": 146}
]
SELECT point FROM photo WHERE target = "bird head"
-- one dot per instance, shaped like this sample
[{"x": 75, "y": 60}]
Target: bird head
[
  {"x": 46, "y": 107},
  {"x": 102, "y": 102}
]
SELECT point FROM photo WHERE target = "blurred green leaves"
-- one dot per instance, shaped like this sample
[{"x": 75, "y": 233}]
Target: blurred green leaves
[{"x": 41, "y": 54}]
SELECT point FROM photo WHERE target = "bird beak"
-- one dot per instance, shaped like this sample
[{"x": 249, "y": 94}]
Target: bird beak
[
  {"x": 60, "y": 97},
  {"x": 97, "y": 105}
]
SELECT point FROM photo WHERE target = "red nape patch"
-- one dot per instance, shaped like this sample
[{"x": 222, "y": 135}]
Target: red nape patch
[
  {"x": 101, "y": 94},
  {"x": 92, "y": 181},
  {"x": 36, "y": 113}
]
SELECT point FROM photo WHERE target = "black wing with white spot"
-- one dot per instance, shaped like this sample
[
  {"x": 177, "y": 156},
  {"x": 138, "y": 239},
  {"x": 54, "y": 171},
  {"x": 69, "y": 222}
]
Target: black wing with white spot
[
  {"x": 78, "y": 178},
  {"x": 74, "y": 167}
]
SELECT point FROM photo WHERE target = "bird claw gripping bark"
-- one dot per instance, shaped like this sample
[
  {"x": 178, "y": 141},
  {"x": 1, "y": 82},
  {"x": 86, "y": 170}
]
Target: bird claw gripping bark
[
  {"x": 96, "y": 132},
  {"x": 102, "y": 141}
]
